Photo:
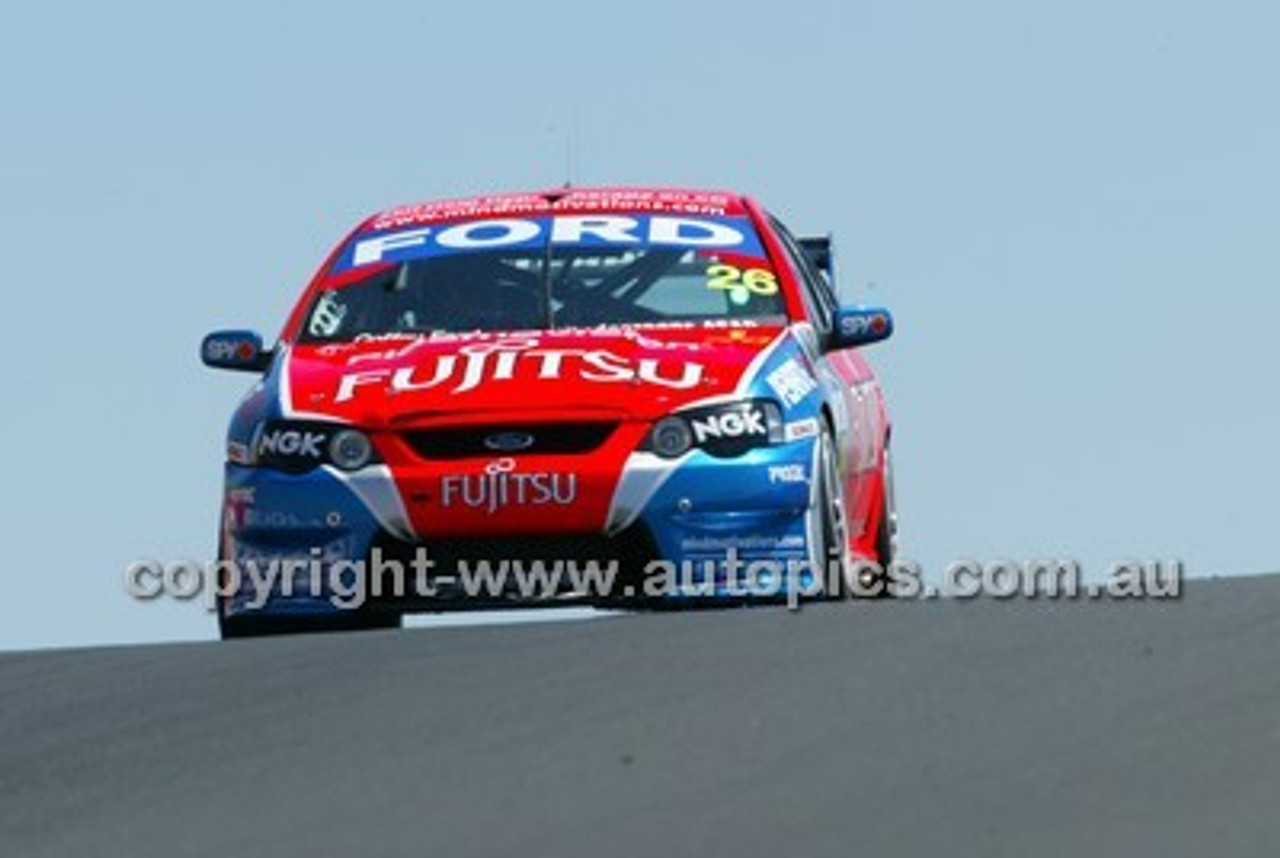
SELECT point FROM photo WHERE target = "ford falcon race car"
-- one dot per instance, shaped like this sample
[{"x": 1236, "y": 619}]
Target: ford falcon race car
[{"x": 659, "y": 387}]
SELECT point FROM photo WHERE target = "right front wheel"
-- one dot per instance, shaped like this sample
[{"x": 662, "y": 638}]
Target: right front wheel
[
  {"x": 839, "y": 572},
  {"x": 886, "y": 531}
]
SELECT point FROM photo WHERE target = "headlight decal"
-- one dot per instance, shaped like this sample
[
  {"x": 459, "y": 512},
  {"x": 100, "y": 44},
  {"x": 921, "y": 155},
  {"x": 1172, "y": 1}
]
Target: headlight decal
[
  {"x": 300, "y": 446},
  {"x": 724, "y": 431}
]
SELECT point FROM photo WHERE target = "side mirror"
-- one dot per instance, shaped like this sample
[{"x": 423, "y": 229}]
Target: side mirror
[
  {"x": 860, "y": 326},
  {"x": 235, "y": 350}
]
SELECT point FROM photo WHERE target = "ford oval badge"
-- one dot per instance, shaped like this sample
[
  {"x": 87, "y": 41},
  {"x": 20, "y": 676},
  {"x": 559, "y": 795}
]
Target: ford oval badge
[{"x": 509, "y": 442}]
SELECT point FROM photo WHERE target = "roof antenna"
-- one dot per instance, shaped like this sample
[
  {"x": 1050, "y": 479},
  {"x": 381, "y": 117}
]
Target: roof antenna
[
  {"x": 573, "y": 148},
  {"x": 568, "y": 162}
]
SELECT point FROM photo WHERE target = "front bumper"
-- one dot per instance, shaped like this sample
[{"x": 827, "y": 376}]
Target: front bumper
[{"x": 689, "y": 529}]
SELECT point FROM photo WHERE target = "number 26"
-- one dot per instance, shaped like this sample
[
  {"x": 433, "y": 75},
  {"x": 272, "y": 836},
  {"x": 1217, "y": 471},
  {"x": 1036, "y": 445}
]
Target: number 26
[{"x": 759, "y": 281}]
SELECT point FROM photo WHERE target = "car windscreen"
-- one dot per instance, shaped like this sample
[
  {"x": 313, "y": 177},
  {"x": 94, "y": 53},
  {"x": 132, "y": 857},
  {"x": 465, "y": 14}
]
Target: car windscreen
[{"x": 618, "y": 271}]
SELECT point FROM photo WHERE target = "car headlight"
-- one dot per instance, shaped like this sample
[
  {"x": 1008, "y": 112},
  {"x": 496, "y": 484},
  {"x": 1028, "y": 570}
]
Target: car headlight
[
  {"x": 723, "y": 431},
  {"x": 671, "y": 437},
  {"x": 350, "y": 449},
  {"x": 300, "y": 446}
]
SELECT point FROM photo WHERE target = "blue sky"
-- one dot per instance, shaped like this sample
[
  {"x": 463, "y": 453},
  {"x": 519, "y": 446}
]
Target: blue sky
[{"x": 1072, "y": 210}]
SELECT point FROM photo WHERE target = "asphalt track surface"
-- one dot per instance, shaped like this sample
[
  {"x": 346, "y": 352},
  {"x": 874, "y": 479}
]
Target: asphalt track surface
[{"x": 959, "y": 728}]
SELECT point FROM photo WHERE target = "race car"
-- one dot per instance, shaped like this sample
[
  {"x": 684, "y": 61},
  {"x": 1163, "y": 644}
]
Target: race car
[{"x": 656, "y": 386}]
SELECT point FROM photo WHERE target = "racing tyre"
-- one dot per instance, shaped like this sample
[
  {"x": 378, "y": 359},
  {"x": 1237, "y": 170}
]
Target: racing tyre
[
  {"x": 263, "y": 625},
  {"x": 887, "y": 531},
  {"x": 833, "y": 533},
  {"x": 232, "y": 628}
]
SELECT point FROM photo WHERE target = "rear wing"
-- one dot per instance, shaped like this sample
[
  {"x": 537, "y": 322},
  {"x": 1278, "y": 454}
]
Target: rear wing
[{"x": 818, "y": 249}]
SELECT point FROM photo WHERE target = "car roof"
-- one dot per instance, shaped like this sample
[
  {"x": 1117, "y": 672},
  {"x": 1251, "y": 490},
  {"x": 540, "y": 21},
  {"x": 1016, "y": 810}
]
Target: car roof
[{"x": 571, "y": 200}]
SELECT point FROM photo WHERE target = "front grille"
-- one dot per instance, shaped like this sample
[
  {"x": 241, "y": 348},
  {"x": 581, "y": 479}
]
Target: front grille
[
  {"x": 467, "y": 442},
  {"x": 629, "y": 553}
]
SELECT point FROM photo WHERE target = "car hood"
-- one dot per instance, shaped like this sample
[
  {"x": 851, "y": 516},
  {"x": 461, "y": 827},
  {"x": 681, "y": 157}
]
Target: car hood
[{"x": 635, "y": 373}]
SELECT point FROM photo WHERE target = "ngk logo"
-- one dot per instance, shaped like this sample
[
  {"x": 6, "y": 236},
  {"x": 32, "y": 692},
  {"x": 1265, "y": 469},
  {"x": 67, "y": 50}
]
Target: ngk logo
[
  {"x": 291, "y": 442},
  {"x": 732, "y": 424}
]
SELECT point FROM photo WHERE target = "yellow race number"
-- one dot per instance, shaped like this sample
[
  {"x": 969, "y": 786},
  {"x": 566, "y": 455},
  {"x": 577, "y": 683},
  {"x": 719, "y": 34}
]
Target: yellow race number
[{"x": 757, "y": 281}]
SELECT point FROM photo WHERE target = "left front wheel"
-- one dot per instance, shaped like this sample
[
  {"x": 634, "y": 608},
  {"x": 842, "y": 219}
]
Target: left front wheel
[
  {"x": 265, "y": 625},
  {"x": 832, "y": 557},
  {"x": 230, "y": 628}
]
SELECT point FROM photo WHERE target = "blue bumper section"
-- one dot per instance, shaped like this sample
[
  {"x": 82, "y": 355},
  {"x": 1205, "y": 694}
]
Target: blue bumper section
[
  {"x": 294, "y": 528},
  {"x": 717, "y": 524}
]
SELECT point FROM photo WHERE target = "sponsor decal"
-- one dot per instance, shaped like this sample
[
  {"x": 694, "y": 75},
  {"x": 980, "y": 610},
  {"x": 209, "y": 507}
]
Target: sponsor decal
[
  {"x": 275, "y": 519},
  {"x": 744, "y": 423},
  {"x": 507, "y": 360},
  {"x": 791, "y": 382},
  {"x": 863, "y": 325},
  {"x": 399, "y": 345},
  {"x": 327, "y": 317},
  {"x": 239, "y": 502},
  {"x": 219, "y": 350},
  {"x": 742, "y": 543},
  {"x": 292, "y": 442},
  {"x": 798, "y": 430},
  {"x": 389, "y": 356},
  {"x": 705, "y": 324},
  {"x": 503, "y": 205},
  {"x": 401, "y": 245},
  {"x": 787, "y": 474},
  {"x": 500, "y": 486}
]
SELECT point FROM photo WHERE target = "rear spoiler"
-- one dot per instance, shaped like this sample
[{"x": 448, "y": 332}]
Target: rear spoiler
[{"x": 818, "y": 249}]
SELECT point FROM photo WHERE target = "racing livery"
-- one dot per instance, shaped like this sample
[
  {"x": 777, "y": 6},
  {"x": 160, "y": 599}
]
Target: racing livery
[{"x": 627, "y": 375}]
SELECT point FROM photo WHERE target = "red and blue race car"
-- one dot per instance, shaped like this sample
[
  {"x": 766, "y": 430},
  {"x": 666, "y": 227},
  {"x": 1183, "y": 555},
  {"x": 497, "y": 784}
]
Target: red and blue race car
[{"x": 658, "y": 382}]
